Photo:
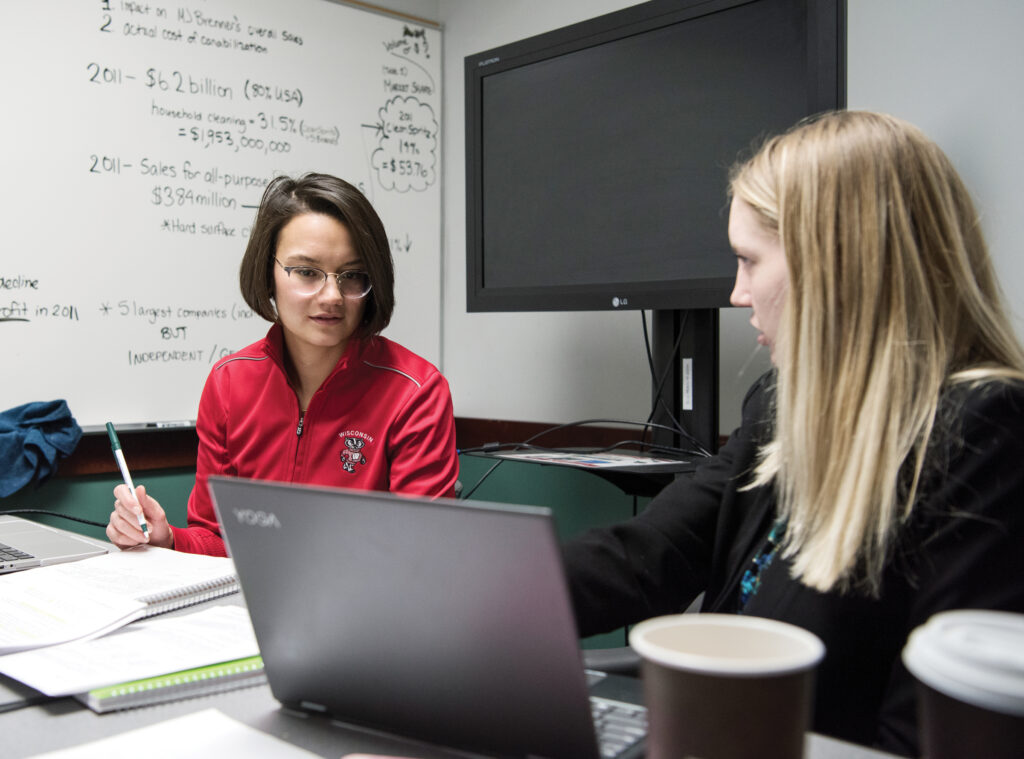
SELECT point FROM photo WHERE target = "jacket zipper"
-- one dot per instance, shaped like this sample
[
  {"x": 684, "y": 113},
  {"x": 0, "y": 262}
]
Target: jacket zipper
[{"x": 298, "y": 430}]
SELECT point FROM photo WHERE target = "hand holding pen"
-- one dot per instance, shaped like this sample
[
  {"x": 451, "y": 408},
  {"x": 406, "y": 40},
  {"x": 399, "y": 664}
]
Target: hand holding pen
[
  {"x": 130, "y": 527},
  {"x": 115, "y": 446}
]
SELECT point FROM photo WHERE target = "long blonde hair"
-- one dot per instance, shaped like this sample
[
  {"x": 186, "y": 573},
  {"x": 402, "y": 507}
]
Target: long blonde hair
[{"x": 892, "y": 296}]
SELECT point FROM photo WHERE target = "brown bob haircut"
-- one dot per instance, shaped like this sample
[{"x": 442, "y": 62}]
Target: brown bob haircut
[{"x": 287, "y": 197}]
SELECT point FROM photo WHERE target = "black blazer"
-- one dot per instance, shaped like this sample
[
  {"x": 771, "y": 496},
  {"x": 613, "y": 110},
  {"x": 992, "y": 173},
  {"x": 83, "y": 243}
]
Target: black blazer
[{"x": 962, "y": 547}]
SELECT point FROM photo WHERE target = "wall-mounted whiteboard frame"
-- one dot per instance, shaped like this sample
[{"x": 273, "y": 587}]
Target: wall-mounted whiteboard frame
[{"x": 139, "y": 137}]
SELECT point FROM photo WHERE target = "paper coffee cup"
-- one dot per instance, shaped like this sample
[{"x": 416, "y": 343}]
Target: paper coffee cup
[
  {"x": 726, "y": 686},
  {"x": 969, "y": 665}
]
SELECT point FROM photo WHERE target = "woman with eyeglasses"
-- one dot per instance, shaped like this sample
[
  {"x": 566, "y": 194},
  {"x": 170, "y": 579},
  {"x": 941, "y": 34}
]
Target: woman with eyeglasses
[{"x": 323, "y": 399}]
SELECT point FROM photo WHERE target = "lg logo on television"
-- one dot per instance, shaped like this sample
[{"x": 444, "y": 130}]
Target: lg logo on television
[
  {"x": 257, "y": 518},
  {"x": 617, "y": 301}
]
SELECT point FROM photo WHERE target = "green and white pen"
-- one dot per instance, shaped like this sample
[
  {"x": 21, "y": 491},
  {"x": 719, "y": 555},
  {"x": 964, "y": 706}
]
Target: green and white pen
[{"x": 115, "y": 446}]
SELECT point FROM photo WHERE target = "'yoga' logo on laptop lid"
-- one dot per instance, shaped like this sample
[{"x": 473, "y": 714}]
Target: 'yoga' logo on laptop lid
[{"x": 257, "y": 518}]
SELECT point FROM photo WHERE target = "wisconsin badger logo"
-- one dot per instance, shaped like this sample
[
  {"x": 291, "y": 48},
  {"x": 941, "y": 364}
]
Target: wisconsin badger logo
[{"x": 353, "y": 453}]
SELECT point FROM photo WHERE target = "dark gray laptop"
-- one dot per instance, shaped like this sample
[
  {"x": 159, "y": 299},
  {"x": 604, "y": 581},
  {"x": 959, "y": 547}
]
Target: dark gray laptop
[
  {"x": 25, "y": 544},
  {"x": 438, "y": 620}
]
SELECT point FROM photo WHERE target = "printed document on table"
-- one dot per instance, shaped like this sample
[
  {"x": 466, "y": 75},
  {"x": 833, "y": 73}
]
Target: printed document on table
[
  {"x": 588, "y": 460},
  {"x": 36, "y": 613},
  {"x": 145, "y": 649},
  {"x": 210, "y": 733},
  {"x": 64, "y": 602}
]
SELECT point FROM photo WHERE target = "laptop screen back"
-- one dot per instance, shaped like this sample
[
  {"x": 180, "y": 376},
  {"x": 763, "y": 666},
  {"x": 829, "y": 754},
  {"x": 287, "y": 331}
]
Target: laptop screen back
[{"x": 438, "y": 620}]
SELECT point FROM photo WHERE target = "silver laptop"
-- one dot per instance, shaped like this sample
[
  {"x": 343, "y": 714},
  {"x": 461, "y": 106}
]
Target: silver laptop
[
  {"x": 437, "y": 620},
  {"x": 25, "y": 544}
]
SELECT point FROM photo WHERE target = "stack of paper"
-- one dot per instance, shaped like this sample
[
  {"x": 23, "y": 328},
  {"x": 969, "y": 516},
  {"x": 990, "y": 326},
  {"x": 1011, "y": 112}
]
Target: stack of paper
[
  {"x": 60, "y": 629},
  {"x": 144, "y": 650},
  {"x": 82, "y": 599}
]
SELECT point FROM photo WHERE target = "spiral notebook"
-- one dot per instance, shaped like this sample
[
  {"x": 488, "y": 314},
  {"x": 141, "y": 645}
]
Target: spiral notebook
[
  {"x": 189, "y": 683},
  {"x": 83, "y": 599}
]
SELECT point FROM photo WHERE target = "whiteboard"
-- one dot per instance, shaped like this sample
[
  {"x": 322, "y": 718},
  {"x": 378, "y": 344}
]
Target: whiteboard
[{"x": 138, "y": 138}]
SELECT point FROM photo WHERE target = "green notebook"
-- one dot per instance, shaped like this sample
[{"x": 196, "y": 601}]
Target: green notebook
[{"x": 215, "y": 678}]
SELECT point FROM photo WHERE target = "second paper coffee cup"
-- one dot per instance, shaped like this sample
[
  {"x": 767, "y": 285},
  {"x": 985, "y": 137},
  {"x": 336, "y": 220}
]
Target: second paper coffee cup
[
  {"x": 970, "y": 670},
  {"x": 725, "y": 686}
]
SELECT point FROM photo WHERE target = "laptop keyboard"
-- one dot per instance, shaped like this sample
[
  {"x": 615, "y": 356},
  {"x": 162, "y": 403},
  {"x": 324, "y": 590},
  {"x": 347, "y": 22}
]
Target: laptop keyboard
[
  {"x": 619, "y": 726},
  {"x": 7, "y": 553}
]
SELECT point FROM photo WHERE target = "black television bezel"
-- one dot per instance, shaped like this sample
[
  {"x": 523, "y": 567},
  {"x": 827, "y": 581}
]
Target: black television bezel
[{"x": 826, "y": 50}]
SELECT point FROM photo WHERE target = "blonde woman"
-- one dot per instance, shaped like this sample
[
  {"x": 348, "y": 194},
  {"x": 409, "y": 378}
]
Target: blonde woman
[{"x": 878, "y": 474}]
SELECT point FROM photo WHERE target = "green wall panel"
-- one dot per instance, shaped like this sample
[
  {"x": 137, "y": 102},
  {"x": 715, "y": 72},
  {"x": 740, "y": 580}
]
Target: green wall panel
[
  {"x": 92, "y": 497},
  {"x": 578, "y": 500}
]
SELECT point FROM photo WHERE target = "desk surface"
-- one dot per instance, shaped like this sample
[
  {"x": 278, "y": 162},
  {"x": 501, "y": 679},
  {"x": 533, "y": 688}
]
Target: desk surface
[{"x": 63, "y": 723}]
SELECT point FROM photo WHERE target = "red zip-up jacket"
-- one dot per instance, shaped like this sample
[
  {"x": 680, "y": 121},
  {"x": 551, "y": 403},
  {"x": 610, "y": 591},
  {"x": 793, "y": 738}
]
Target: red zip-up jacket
[{"x": 382, "y": 420}]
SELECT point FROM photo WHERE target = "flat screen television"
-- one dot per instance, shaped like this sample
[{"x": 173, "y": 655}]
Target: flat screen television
[{"x": 597, "y": 154}]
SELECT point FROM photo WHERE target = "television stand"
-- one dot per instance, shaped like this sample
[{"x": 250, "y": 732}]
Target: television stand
[{"x": 685, "y": 387}]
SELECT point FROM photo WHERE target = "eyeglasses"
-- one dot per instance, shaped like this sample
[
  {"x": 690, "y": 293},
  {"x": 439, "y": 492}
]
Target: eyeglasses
[{"x": 309, "y": 280}]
